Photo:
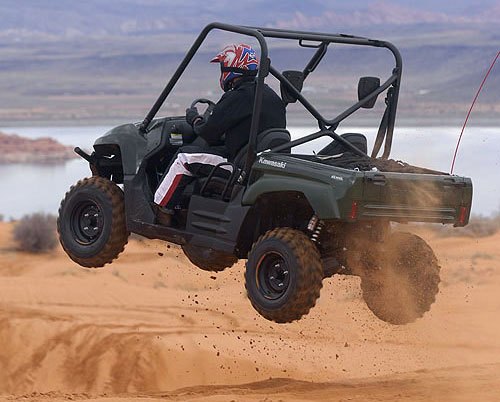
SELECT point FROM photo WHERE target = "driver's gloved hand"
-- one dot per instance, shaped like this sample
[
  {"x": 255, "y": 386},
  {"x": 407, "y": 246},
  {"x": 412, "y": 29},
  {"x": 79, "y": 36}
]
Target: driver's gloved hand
[{"x": 192, "y": 115}]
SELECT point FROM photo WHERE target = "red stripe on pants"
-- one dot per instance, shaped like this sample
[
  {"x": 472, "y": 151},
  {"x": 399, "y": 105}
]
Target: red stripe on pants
[{"x": 171, "y": 190}]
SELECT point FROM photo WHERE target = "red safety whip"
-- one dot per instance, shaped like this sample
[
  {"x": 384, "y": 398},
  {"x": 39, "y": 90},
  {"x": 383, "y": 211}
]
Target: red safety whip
[{"x": 470, "y": 110}]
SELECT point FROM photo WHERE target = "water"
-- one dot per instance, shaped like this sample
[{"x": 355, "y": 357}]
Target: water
[{"x": 30, "y": 188}]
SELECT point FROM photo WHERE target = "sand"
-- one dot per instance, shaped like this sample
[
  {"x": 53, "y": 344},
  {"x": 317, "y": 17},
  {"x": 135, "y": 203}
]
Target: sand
[{"x": 154, "y": 327}]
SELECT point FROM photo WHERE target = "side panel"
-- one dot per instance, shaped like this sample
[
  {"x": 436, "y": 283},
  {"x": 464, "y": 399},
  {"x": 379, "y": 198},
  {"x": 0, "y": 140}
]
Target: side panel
[
  {"x": 321, "y": 196},
  {"x": 214, "y": 223},
  {"x": 329, "y": 190},
  {"x": 138, "y": 199}
]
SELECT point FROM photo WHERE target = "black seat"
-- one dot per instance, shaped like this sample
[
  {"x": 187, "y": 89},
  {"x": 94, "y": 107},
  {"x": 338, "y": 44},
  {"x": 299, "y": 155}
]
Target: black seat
[
  {"x": 267, "y": 139},
  {"x": 336, "y": 148}
]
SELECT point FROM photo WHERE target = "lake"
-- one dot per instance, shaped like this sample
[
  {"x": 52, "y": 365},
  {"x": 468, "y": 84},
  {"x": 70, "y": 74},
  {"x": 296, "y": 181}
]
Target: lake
[{"x": 30, "y": 188}]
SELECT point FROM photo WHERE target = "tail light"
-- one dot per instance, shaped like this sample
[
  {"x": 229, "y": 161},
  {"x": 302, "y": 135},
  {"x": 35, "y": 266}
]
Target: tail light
[
  {"x": 354, "y": 210},
  {"x": 462, "y": 216}
]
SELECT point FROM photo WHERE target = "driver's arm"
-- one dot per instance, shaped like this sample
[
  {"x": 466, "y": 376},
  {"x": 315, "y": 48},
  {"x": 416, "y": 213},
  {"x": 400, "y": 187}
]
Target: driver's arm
[{"x": 228, "y": 112}]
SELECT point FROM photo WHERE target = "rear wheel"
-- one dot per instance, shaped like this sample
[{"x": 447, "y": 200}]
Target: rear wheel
[
  {"x": 403, "y": 285},
  {"x": 283, "y": 275},
  {"x": 91, "y": 222},
  {"x": 208, "y": 259}
]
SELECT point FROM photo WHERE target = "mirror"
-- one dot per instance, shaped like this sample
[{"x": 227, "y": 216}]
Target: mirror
[
  {"x": 297, "y": 80},
  {"x": 366, "y": 86}
]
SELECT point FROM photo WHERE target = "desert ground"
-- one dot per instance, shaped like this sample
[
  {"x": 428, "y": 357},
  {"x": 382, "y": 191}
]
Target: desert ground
[{"x": 153, "y": 327}]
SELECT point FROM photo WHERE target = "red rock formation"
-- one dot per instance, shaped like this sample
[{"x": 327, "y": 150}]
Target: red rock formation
[{"x": 16, "y": 149}]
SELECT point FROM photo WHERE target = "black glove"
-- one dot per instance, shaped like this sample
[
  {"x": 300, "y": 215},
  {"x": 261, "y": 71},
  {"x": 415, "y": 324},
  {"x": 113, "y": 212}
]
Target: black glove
[{"x": 192, "y": 115}]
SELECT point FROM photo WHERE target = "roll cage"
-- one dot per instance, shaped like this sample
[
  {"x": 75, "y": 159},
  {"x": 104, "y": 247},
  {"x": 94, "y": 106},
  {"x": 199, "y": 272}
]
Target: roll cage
[{"x": 320, "y": 41}]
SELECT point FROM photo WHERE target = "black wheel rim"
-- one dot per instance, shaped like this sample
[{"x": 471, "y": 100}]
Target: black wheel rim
[
  {"x": 273, "y": 276},
  {"x": 87, "y": 222}
]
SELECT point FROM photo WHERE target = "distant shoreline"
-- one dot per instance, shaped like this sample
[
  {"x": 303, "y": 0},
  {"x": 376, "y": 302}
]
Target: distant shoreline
[
  {"x": 295, "y": 122},
  {"x": 16, "y": 149}
]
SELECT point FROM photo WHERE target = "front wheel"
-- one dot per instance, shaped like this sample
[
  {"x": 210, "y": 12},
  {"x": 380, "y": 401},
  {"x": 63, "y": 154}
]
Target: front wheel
[
  {"x": 283, "y": 275},
  {"x": 403, "y": 285},
  {"x": 91, "y": 222}
]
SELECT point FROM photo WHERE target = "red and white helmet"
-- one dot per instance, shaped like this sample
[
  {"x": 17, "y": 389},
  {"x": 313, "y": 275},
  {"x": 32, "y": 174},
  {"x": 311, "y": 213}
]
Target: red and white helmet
[{"x": 236, "y": 61}]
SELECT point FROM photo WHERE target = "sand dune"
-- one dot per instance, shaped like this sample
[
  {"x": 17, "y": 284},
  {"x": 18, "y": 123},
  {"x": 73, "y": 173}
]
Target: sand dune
[{"x": 153, "y": 326}]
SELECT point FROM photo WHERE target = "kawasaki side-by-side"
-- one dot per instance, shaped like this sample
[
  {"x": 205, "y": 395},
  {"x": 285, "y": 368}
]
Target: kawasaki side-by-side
[{"x": 297, "y": 219}]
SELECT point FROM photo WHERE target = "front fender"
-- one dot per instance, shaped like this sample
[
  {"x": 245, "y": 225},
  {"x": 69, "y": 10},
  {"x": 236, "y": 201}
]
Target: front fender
[{"x": 132, "y": 146}]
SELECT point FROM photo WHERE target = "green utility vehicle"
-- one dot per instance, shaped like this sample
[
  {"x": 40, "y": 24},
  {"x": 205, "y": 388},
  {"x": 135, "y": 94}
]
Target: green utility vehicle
[{"x": 295, "y": 218}]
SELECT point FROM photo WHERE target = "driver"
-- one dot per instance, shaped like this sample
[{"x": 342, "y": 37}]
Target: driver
[{"x": 226, "y": 129}]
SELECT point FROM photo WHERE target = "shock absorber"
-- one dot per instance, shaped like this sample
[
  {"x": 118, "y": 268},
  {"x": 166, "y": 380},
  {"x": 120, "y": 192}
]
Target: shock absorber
[{"x": 315, "y": 226}]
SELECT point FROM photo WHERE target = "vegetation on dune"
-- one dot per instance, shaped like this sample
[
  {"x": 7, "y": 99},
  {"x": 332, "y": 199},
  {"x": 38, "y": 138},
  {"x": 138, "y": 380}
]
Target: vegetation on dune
[{"x": 36, "y": 233}]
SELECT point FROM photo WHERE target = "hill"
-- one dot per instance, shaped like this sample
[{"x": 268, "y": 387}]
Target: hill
[{"x": 107, "y": 61}]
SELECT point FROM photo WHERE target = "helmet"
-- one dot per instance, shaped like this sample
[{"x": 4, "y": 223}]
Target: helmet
[{"x": 236, "y": 61}]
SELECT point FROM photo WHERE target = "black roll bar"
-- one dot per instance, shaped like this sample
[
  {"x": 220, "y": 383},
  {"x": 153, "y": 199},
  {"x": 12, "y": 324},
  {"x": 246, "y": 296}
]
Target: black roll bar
[
  {"x": 321, "y": 133},
  {"x": 323, "y": 40},
  {"x": 332, "y": 122},
  {"x": 394, "y": 80},
  {"x": 315, "y": 60}
]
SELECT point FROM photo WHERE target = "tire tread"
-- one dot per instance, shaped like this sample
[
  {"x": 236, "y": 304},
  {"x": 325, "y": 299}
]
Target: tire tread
[
  {"x": 309, "y": 281},
  {"x": 118, "y": 236}
]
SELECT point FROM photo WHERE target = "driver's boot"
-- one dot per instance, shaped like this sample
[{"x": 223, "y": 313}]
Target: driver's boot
[{"x": 164, "y": 216}]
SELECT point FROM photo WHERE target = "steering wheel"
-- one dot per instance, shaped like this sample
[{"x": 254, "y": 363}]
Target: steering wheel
[{"x": 210, "y": 108}]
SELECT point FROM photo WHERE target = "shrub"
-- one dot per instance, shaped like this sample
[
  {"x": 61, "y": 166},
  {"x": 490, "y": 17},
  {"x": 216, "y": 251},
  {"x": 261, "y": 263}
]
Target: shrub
[
  {"x": 36, "y": 233},
  {"x": 1, "y": 218}
]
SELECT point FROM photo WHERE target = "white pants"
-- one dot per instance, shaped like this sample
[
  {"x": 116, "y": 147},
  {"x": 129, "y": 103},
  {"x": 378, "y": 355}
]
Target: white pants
[{"x": 180, "y": 168}]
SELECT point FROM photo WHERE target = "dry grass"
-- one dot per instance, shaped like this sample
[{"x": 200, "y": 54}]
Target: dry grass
[
  {"x": 36, "y": 233},
  {"x": 479, "y": 226}
]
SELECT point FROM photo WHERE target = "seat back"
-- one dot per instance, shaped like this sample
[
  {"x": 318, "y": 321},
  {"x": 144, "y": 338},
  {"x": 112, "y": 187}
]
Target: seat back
[
  {"x": 216, "y": 184},
  {"x": 267, "y": 139},
  {"x": 335, "y": 147}
]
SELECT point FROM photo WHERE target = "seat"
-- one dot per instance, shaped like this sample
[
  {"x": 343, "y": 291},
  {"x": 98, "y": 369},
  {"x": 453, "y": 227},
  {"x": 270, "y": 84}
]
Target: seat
[
  {"x": 267, "y": 139},
  {"x": 336, "y": 148}
]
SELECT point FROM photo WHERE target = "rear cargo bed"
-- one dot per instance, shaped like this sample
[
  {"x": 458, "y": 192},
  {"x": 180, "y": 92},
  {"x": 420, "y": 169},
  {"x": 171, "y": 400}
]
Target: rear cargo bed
[
  {"x": 401, "y": 192},
  {"x": 415, "y": 197}
]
